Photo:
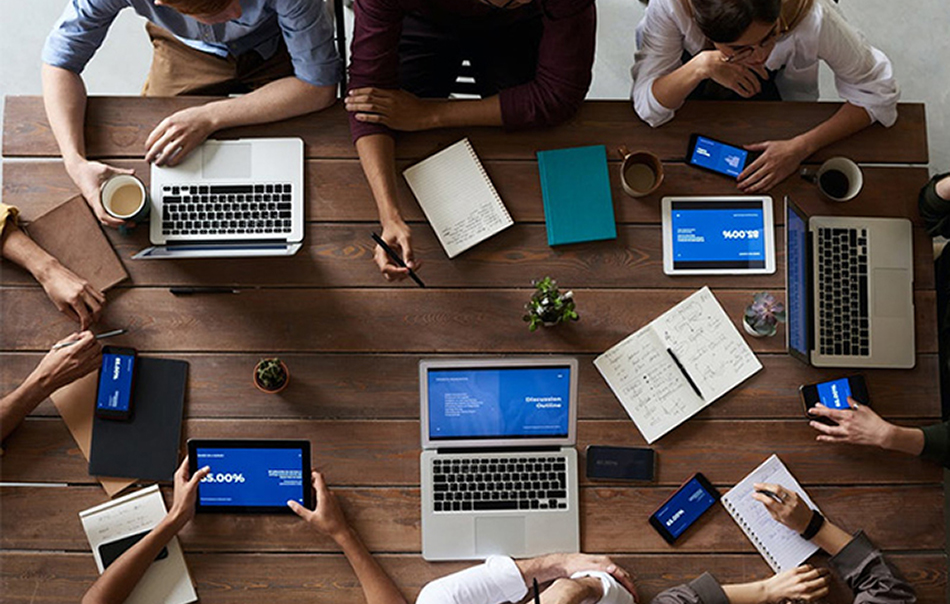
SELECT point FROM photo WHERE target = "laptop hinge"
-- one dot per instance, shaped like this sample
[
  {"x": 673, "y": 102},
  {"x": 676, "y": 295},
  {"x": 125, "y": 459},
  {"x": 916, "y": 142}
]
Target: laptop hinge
[
  {"x": 810, "y": 309},
  {"x": 470, "y": 450}
]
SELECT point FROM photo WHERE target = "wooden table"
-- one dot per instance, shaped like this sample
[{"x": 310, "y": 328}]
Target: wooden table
[{"x": 352, "y": 342}]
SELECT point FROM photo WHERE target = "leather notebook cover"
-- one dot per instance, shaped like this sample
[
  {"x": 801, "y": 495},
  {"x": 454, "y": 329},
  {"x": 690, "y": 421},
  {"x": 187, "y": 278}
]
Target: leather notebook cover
[
  {"x": 71, "y": 233},
  {"x": 575, "y": 188},
  {"x": 146, "y": 447}
]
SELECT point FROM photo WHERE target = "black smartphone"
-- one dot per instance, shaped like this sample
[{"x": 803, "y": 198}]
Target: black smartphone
[
  {"x": 116, "y": 383},
  {"x": 834, "y": 395},
  {"x": 684, "y": 507},
  {"x": 109, "y": 552},
  {"x": 709, "y": 154},
  {"x": 620, "y": 463}
]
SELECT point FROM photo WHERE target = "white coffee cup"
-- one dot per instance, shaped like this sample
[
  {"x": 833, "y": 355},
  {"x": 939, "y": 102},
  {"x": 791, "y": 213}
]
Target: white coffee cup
[
  {"x": 125, "y": 197},
  {"x": 838, "y": 179}
]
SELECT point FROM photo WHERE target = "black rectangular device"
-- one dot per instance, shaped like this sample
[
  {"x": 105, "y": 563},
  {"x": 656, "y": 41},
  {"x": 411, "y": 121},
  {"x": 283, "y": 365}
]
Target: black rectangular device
[
  {"x": 620, "y": 463},
  {"x": 251, "y": 476},
  {"x": 116, "y": 383},
  {"x": 684, "y": 507},
  {"x": 110, "y": 551},
  {"x": 834, "y": 395},
  {"x": 716, "y": 156}
]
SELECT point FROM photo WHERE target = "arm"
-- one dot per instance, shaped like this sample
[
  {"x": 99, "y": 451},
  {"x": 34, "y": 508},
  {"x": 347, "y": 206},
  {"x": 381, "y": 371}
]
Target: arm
[
  {"x": 118, "y": 581},
  {"x": 328, "y": 518},
  {"x": 860, "y": 425}
]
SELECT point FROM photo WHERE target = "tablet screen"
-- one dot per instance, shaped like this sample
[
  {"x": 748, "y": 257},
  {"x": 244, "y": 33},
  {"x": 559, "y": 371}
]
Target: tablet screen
[{"x": 718, "y": 235}]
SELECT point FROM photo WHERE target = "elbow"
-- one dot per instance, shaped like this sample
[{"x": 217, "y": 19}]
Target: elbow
[{"x": 541, "y": 109}]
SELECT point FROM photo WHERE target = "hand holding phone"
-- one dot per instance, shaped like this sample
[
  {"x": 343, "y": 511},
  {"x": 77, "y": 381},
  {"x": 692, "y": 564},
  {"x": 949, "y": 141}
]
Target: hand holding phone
[
  {"x": 716, "y": 156},
  {"x": 833, "y": 394}
]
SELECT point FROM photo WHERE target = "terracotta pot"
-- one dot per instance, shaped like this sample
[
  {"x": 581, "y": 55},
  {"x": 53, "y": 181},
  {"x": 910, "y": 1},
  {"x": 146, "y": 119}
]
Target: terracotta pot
[{"x": 282, "y": 386}]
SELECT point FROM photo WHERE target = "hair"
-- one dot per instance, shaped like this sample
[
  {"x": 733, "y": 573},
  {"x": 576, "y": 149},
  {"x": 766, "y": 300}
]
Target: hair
[
  {"x": 724, "y": 21},
  {"x": 197, "y": 7}
]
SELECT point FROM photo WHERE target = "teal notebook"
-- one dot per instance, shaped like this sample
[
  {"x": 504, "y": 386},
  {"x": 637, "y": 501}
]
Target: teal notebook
[{"x": 576, "y": 191}]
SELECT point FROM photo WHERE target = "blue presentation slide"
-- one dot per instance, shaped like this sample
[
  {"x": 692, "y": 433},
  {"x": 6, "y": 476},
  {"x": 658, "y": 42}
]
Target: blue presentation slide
[
  {"x": 722, "y": 158},
  {"x": 685, "y": 507},
  {"x": 251, "y": 477},
  {"x": 797, "y": 293},
  {"x": 835, "y": 394},
  {"x": 115, "y": 382},
  {"x": 711, "y": 235},
  {"x": 491, "y": 403}
]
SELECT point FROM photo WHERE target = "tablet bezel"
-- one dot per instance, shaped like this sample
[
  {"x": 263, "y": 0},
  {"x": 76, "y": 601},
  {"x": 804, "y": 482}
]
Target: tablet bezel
[
  {"x": 231, "y": 443},
  {"x": 768, "y": 227}
]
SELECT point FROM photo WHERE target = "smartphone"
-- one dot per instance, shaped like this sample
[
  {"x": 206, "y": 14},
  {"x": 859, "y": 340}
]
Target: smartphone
[
  {"x": 109, "y": 552},
  {"x": 716, "y": 156},
  {"x": 116, "y": 383},
  {"x": 834, "y": 395},
  {"x": 684, "y": 507},
  {"x": 620, "y": 463}
]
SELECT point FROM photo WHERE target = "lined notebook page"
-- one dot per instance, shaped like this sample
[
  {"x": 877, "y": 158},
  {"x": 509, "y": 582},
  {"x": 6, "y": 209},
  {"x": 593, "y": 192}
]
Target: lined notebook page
[
  {"x": 458, "y": 198},
  {"x": 781, "y": 547}
]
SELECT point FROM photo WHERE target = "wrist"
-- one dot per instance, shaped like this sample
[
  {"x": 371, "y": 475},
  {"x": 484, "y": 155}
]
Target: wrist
[
  {"x": 805, "y": 146},
  {"x": 344, "y": 537},
  {"x": 176, "y": 520},
  {"x": 42, "y": 267},
  {"x": 73, "y": 160},
  {"x": 703, "y": 65}
]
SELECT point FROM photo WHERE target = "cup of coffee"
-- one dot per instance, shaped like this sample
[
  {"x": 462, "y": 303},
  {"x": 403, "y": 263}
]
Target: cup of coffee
[
  {"x": 838, "y": 179},
  {"x": 125, "y": 197},
  {"x": 641, "y": 172}
]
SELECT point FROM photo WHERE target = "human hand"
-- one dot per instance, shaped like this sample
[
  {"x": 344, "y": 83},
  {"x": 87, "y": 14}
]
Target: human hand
[
  {"x": 397, "y": 109},
  {"x": 89, "y": 176},
  {"x": 793, "y": 512},
  {"x": 583, "y": 590},
  {"x": 65, "y": 365},
  {"x": 327, "y": 518},
  {"x": 569, "y": 564},
  {"x": 859, "y": 425},
  {"x": 779, "y": 160},
  {"x": 178, "y": 134},
  {"x": 797, "y": 584},
  {"x": 742, "y": 79},
  {"x": 71, "y": 294},
  {"x": 186, "y": 492},
  {"x": 397, "y": 236}
]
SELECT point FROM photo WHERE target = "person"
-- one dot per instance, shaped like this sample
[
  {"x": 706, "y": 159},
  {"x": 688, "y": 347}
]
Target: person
[
  {"x": 280, "y": 52},
  {"x": 854, "y": 558},
  {"x": 60, "y": 366},
  {"x": 500, "y": 579},
  {"x": 765, "y": 50},
  {"x": 531, "y": 61},
  {"x": 115, "y": 584},
  {"x": 71, "y": 294}
]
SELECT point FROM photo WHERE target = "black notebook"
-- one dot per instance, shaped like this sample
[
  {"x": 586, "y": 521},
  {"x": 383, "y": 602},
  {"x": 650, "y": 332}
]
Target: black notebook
[{"x": 146, "y": 447}]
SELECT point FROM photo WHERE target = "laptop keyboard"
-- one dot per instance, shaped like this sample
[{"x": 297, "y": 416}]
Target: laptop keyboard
[
  {"x": 518, "y": 483},
  {"x": 843, "y": 292},
  {"x": 226, "y": 209}
]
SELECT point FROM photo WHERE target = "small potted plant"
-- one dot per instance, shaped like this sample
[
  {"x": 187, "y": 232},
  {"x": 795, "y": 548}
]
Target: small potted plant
[
  {"x": 548, "y": 306},
  {"x": 762, "y": 317},
  {"x": 271, "y": 375}
]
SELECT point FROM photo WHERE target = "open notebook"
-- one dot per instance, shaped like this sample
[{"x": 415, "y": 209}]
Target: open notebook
[
  {"x": 781, "y": 547},
  {"x": 458, "y": 198}
]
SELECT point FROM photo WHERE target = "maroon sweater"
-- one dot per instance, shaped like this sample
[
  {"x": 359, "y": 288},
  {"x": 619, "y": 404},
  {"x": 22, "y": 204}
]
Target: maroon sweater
[{"x": 565, "y": 55}]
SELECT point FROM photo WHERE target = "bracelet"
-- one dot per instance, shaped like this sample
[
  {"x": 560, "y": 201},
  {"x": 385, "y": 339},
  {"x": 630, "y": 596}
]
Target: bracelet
[{"x": 814, "y": 525}]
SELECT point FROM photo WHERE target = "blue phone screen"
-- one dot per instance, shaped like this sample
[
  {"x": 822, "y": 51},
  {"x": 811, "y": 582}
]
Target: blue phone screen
[
  {"x": 719, "y": 157},
  {"x": 685, "y": 507},
  {"x": 834, "y": 394},
  {"x": 115, "y": 382}
]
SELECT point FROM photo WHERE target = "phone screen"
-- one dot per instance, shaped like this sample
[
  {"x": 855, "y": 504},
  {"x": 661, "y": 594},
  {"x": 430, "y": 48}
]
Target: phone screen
[
  {"x": 834, "y": 394},
  {"x": 115, "y": 383},
  {"x": 619, "y": 463},
  {"x": 718, "y": 157},
  {"x": 684, "y": 508}
]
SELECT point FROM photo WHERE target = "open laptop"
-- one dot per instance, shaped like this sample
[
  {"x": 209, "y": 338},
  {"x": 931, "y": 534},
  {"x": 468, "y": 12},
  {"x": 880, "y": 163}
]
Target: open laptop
[
  {"x": 850, "y": 290},
  {"x": 229, "y": 199},
  {"x": 499, "y": 468}
]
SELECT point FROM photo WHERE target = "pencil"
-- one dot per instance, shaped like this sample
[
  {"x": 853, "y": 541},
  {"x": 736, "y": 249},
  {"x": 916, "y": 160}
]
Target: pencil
[{"x": 101, "y": 336}]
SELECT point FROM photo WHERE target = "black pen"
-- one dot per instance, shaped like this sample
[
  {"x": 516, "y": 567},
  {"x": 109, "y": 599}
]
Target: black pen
[
  {"x": 395, "y": 258},
  {"x": 537, "y": 595},
  {"x": 774, "y": 496},
  {"x": 685, "y": 373},
  {"x": 188, "y": 291}
]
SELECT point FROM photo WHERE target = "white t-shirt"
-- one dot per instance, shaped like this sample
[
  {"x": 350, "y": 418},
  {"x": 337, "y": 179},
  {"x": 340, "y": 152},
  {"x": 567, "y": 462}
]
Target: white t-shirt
[{"x": 863, "y": 74}]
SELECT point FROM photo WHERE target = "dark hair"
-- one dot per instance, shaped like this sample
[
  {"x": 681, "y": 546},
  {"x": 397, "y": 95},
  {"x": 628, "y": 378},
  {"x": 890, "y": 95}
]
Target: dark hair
[{"x": 725, "y": 21}]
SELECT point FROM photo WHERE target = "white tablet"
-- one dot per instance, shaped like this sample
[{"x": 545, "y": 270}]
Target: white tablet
[{"x": 718, "y": 236}]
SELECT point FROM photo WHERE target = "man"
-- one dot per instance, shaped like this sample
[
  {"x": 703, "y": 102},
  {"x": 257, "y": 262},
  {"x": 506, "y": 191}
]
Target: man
[
  {"x": 532, "y": 67},
  {"x": 279, "y": 52}
]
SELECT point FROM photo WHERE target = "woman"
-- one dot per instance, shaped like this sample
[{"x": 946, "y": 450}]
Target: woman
[{"x": 766, "y": 50}]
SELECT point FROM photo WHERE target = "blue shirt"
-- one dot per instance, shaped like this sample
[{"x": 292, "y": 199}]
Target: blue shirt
[{"x": 304, "y": 25}]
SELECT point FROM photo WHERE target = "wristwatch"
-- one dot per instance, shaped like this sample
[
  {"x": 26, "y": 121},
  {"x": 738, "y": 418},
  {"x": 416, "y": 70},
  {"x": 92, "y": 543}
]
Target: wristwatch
[{"x": 814, "y": 525}]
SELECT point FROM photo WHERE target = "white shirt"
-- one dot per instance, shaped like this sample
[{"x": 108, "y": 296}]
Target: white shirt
[
  {"x": 499, "y": 580},
  {"x": 863, "y": 74}
]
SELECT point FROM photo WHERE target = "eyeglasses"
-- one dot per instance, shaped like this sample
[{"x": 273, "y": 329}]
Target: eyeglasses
[{"x": 741, "y": 53}]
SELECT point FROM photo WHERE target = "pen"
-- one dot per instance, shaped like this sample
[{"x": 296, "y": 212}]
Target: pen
[
  {"x": 685, "y": 373},
  {"x": 395, "y": 258},
  {"x": 537, "y": 596},
  {"x": 187, "y": 291},
  {"x": 108, "y": 334},
  {"x": 774, "y": 496}
]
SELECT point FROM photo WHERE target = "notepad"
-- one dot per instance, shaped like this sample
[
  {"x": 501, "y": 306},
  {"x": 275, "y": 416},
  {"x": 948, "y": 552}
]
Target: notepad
[
  {"x": 167, "y": 580},
  {"x": 781, "y": 547},
  {"x": 458, "y": 198},
  {"x": 575, "y": 188},
  {"x": 646, "y": 379}
]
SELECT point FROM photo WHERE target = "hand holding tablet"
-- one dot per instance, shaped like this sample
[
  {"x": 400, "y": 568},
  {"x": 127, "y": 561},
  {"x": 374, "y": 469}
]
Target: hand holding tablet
[{"x": 327, "y": 517}]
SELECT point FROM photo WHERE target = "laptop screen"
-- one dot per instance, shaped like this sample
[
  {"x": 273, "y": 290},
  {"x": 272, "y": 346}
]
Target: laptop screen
[
  {"x": 499, "y": 402},
  {"x": 796, "y": 231}
]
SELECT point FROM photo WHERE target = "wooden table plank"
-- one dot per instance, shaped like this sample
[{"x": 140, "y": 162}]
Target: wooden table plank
[
  {"x": 386, "y": 452},
  {"x": 118, "y": 126}
]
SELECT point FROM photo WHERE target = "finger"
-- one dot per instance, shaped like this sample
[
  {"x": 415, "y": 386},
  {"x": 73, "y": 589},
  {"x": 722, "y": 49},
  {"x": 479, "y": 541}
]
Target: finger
[
  {"x": 760, "y": 70},
  {"x": 156, "y": 133},
  {"x": 831, "y": 439},
  {"x": 85, "y": 320},
  {"x": 320, "y": 486},
  {"x": 92, "y": 303},
  {"x": 396, "y": 273},
  {"x": 182, "y": 471},
  {"x": 829, "y": 430},
  {"x": 107, "y": 219},
  {"x": 187, "y": 146},
  {"x": 298, "y": 509},
  {"x": 199, "y": 475},
  {"x": 752, "y": 168},
  {"x": 372, "y": 118},
  {"x": 169, "y": 150},
  {"x": 753, "y": 178},
  {"x": 353, "y": 98},
  {"x": 156, "y": 148},
  {"x": 364, "y": 107},
  {"x": 359, "y": 91},
  {"x": 113, "y": 171},
  {"x": 95, "y": 293},
  {"x": 763, "y": 185}
]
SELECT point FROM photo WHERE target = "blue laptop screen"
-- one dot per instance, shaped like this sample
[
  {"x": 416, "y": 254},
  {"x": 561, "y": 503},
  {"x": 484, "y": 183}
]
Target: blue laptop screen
[
  {"x": 499, "y": 402},
  {"x": 796, "y": 231},
  {"x": 718, "y": 235}
]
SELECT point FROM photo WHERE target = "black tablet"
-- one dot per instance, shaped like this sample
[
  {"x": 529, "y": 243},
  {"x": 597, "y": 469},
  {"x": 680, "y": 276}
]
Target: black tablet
[{"x": 251, "y": 475}]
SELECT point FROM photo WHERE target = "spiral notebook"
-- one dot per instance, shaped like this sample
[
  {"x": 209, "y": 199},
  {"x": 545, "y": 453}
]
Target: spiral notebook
[
  {"x": 458, "y": 198},
  {"x": 781, "y": 547}
]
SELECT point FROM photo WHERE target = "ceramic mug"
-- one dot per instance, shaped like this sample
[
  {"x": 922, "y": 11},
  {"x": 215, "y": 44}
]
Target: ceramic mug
[
  {"x": 838, "y": 179},
  {"x": 125, "y": 197},
  {"x": 641, "y": 172}
]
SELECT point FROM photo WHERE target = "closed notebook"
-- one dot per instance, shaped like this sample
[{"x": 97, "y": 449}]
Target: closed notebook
[
  {"x": 146, "y": 447},
  {"x": 576, "y": 189}
]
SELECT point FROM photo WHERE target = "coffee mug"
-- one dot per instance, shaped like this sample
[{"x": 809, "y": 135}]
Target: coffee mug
[
  {"x": 838, "y": 179},
  {"x": 641, "y": 172},
  {"x": 125, "y": 197}
]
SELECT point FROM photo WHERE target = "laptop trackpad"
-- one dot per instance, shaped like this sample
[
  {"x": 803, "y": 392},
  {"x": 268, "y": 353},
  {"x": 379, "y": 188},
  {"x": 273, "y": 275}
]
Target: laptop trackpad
[
  {"x": 227, "y": 161},
  {"x": 890, "y": 293},
  {"x": 499, "y": 536}
]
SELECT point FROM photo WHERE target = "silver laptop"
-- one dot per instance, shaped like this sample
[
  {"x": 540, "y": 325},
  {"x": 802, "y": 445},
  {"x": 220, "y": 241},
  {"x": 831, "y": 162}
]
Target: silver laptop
[
  {"x": 850, "y": 290},
  {"x": 499, "y": 468},
  {"x": 229, "y": 199}
]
